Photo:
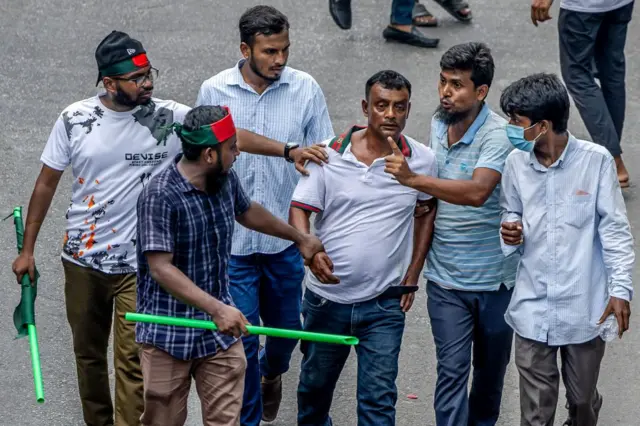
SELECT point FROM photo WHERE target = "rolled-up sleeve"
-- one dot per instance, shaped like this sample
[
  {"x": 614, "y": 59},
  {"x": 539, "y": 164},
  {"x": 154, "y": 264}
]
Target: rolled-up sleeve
[
  {"x": 615, "y": 235},
  {"x": 156, "y": 219},
  {"x": 510, "y": 203}
]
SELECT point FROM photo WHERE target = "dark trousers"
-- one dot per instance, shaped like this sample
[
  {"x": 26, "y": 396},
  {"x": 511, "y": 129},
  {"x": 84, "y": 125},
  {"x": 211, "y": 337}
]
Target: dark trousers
[
  {"x": 539, "y": 380},
  {"x": 379, "y": 324},
  {"x": 402, "y": 12},
  {"x": 267, "y": 287},
  {"x": 460, "y": 321},
  {"x": 588, "y": 39}
]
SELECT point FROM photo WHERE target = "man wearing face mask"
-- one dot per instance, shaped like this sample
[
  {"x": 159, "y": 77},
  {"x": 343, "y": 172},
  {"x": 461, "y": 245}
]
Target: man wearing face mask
[
  {"x": 186, "y": 217},
  {"x": 114, "y": 143},
  {"x": 563, "y": 211},
  {"x": 469, "y": 279},
  {"x": 271, "y": 99}
]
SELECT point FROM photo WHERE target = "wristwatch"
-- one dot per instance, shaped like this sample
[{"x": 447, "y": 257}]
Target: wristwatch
[{"x": 287, "y": 149}]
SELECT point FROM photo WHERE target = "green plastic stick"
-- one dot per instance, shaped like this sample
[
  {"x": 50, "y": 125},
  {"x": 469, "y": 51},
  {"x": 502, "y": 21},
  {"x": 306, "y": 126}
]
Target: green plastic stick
[
  {"x": 25, "y": 312},
  {"x": 253, "y": 329}
]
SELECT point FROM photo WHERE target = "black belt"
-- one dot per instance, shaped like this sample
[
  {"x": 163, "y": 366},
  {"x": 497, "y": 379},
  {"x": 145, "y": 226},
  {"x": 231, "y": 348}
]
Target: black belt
[{"x": 397, "y": 291}]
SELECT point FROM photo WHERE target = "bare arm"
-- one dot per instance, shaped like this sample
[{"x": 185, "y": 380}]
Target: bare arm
[
  {"x": 474, "y": 192},
  {"x": 45, "y": 189},
  {"x": 422, "y": 236},
  {"x": 300, "y": 219},
  {"x": 176, "y": 283},
  {"x": 228, "y": 319},
  {"x": 261, "y": 220},
  {"x": 254, "y": 143}
]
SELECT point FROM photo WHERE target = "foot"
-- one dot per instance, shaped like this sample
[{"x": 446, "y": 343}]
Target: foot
[
  {"x": 341, "y": 13},
  {"x": 271, "y": 398},
  {"x": 422, "y": 17},
  {"x": 623, "y": 174},
  {"x": 408, "y": 34}
]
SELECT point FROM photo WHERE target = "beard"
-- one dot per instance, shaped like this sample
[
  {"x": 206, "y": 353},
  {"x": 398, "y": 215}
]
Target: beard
[
  {"x": 449, "y": 118},
  {"x": 216, "y": 178},
  {"x": 121, "y": 98},
  {"x": 254, "y": 68}
]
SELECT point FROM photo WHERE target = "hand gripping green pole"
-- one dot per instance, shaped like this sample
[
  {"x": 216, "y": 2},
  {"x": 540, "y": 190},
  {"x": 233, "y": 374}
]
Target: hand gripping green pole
[
  {"x": 253, "y": 329},
  {"x": 24, "y": 315}
]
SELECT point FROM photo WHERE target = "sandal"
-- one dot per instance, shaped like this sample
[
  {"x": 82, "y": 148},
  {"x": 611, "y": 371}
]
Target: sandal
[
  {"x": 455, "y": 7},
  {"x": 419, "y": 14}
]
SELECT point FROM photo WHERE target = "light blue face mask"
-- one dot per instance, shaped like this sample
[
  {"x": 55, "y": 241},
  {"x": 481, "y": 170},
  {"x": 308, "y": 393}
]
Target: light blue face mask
[{"x": 516, "y": 137}]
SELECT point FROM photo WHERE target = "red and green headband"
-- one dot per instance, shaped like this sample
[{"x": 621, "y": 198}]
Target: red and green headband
[
  {"x": 209, "y": 134},
  {"x": 128, "y": 65}
]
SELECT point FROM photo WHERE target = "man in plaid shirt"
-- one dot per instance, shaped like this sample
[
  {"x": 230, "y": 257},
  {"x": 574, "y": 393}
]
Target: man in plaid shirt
[{"x": 186, "y": 217}]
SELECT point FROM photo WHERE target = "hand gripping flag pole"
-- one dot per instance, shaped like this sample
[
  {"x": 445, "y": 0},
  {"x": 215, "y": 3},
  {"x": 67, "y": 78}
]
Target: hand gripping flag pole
[
  {"x": 24, "y": 314},
  {"x": 253, "y": 329}
]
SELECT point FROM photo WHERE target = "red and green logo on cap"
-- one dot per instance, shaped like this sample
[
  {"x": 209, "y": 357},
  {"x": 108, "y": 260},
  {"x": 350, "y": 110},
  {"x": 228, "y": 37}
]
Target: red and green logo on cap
[{"x": 128, "y": 65}]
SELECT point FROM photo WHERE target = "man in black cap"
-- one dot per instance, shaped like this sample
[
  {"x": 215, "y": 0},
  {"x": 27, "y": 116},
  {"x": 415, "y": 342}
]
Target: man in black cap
[{"x": 114, "y": 143}]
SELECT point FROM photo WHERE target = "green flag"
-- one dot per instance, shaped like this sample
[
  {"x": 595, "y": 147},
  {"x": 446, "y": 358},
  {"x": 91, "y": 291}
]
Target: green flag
[{"x": 24, "y": 313}]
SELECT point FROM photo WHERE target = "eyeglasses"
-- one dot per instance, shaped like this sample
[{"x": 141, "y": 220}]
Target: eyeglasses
[{"x": 141, "y": 79}]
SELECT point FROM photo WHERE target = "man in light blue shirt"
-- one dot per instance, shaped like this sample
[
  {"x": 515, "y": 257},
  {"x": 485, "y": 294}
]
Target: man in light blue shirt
[
  {"x": 469, "y": 279},
  {"x": 271, "y": 99},
  {"x": 564, "y": 212}
]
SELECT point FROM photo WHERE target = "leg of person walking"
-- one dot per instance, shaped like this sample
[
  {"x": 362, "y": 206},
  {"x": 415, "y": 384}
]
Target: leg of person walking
[
  {"x": 611, "y": 65},
  {"x": 89, "y": 305},
  {"x": 539, "y": 381},
  {"x": 129, "y": 403},
  {"x": 580, "y": 372},
  {"x": 578, "y": 33}
]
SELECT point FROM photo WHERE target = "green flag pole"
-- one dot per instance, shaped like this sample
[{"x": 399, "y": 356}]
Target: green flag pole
[
  {"x": 24, "y": 314},
  {"x": 253, "y": 329}
]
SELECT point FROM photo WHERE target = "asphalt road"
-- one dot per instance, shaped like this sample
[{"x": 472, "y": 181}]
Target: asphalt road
[{"x": 47, "y": 63}]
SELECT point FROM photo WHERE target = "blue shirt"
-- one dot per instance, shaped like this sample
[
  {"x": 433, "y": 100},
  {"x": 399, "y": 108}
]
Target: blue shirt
[
  {"x": 465, "y": 253},
  {"x": 177, "y": 218},
  {"x": 292, "y": 109},
  {"x": 578, "y": 246}
]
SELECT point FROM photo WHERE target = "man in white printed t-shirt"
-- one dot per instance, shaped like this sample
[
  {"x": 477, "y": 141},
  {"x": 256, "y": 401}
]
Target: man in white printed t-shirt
[
  {"x": 114, "y": 143},
  {"x": 363, "y": 285}
]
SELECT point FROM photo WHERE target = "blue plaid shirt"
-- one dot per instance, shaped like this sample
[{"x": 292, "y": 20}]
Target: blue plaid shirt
[{"x": 175, "y": 217}]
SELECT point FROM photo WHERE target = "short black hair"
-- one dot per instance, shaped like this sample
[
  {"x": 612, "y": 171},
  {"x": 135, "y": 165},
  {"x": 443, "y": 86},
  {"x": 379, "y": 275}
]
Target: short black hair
[
  {"x": 473, "y": 56},
  {"x": 265, "y": 20},
  {"x": 389, "y": 80},
  {"x": 197, "y": 117},
  {"x": 538, "y": 97}
]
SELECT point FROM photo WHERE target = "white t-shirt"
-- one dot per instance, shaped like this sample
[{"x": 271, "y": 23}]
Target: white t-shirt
[
  {"x": 112, "y": 156},
  {"x": 364, "y": 219},
  {"x": 593, "y": 6}
]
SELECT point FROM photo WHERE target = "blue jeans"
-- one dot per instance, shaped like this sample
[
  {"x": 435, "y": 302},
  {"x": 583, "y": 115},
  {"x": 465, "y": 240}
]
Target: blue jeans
[
  {"x": 402, "y": 12},
  {"x": 379, "y": 324},
  {"x": 267, "y": 287},
  {"x": 460, "y": 320}
]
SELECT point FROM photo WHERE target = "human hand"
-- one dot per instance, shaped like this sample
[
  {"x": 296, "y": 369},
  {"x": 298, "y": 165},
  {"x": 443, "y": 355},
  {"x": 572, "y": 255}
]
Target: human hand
[
  {"x": 540, "y": 11},
  {"x": 230, "y": 321},
  {"x": 315, "y": 153},
  {"x": 396, "y": 164},
  {"x": 422, "y": 208},
  {"x": 309, "y": 246},
  {"x": 621, "y": 309},
  {"x": 410, "y": 279},
  {"x": 322, "y": 268},
  {"x": 25, "y": 263},
  {"x": 512, "y": 233}
]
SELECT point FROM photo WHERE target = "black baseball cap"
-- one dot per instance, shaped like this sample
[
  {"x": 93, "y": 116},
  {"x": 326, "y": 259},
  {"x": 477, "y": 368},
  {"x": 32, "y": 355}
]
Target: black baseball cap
[{"x": 118, "y": 54}]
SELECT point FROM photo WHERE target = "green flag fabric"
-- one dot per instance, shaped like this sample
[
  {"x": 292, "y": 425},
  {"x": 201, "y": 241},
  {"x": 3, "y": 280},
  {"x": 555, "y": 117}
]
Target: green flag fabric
[{"x": 24, "y": 314}]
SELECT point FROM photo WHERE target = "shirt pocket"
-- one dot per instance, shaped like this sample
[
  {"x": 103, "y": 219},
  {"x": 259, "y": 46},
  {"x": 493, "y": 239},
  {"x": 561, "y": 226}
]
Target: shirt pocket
[{"x": 580, "y": 211}]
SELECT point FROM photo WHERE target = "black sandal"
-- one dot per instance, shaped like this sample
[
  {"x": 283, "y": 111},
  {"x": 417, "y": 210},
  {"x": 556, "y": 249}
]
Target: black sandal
[
  {"x": 419, "y": 11},
  {"x": 454, "y": 7}
]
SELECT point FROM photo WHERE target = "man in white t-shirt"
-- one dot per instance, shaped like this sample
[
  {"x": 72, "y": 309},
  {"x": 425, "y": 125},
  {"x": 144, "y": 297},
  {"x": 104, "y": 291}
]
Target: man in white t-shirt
[
  {"x": 363, "y": 285},
  {"x": 114, "y": 143}
]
